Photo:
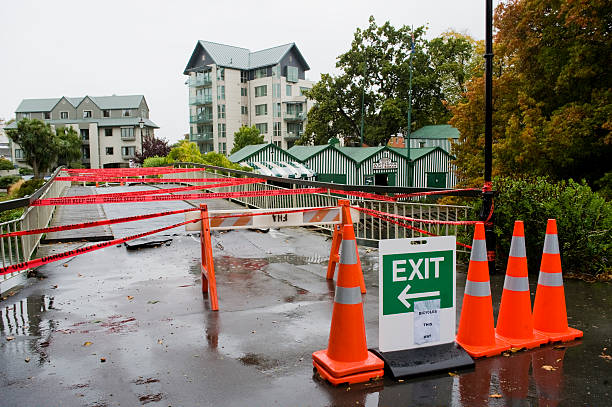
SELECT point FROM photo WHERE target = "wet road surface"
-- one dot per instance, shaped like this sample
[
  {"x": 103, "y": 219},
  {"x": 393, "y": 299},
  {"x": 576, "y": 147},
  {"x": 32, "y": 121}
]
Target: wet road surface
[{"x": 117, "y": 327}]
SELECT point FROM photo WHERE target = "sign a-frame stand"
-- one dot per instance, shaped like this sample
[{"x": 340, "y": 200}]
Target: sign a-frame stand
[{"x": 417, "y": 307}]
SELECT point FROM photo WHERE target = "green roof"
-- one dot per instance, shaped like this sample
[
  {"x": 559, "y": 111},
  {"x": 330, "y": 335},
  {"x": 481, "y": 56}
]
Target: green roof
[
  {"x": 438, "y": 131},
  {"x": 242, "y": 58},
  {"x": 303, "y": 153},
  {"x": 247, "y": 151},
  {"x": 104, "y": 122},
  {"x": 416, "y": 153},
  {"x": 359, "y": 154},
  {"x": 103, "y": 102}
]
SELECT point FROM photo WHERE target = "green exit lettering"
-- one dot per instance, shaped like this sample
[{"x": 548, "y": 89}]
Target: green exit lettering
[{"x": 416, "y": 268}]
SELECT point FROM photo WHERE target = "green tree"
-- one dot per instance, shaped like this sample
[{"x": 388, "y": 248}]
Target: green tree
[
  {"x": 552, "y": 92},
  {"x": 37, "y": 140},
  {"x": 185, "y": 151},
  {"x": 377, "y": 68},
  {"x": 68, "y": 144},
  {"x": 246, "y": 136}
]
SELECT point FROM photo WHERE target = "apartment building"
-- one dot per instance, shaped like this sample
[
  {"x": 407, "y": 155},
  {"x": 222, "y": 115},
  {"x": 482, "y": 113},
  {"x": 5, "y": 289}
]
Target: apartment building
[
  {"x": 111, "y": 127},
  {"x": 230, "y": 87}
]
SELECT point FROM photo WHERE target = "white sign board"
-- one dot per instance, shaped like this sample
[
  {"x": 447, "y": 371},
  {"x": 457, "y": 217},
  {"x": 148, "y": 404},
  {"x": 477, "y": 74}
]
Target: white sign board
[{"x": 416, "y": 292}]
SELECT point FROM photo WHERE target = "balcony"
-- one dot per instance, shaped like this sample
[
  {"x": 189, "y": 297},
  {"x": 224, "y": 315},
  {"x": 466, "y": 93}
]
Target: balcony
[
  {"x": 295, "y": 117},
  {"x": 290, "y": 135},
  {"x": 200, "y": 100},
  {"x": 128, "y": 137},
  {"x": 201, "y": 137},
  {"x": 199, "y": 81},
  {"x": 201, "y": 118}
]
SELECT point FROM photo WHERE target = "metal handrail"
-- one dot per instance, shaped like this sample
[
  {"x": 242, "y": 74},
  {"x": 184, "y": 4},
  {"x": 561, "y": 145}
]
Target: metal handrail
[{"x": 27, "y": 200}]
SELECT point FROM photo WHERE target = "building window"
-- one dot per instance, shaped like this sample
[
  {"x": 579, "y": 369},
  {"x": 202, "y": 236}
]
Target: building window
[
  {"x": 292, "y": 74},
  {"x": 220, "y": 92},
  {"x": 276, "y": 90},
  {"x": 220, "y": 111},
  {"x": 243, "y": 91},
  {"x": 244, "y": 110},
  {"x": 18, "y": 153},
  {"x": 63, "y": 115},
  {"x": 85, "y": 134},
  {"x": 127, "y": 133},
  {"x": 85, "y": 150},
  {"x": 108, "y": 132},
  {"x": 276, "y": 132},
  {"x": 221, "y": 130},
  {"x": 288, "y": 90},
  {"x": 276, "y": 110},
  {"x": 126, "y": 113},
  {"x": 261, "y": 91},
  {"x": 25, "y": 115},
  {"x": 128, "y": 151},
  {"x": 109, "y": 151},
  {"x": 220, "y": 74},
  {"x": 47, "y": 115},
  {"x": 261, "y": 110},
  {"x": 302, "y": 90},
  {"x": 277, "y": 143},
  {"x": 261, "y": 73},
  {"x": 244, "y": 76},
  {"x": 223, "y": 148},
  {"x": 86, "y": 114},
  {"x": 106, "y": 113},
  {"x": 276, "y": 71},
  {"x": 421, "y": 144},
  {"x": 262, "y": 127}
]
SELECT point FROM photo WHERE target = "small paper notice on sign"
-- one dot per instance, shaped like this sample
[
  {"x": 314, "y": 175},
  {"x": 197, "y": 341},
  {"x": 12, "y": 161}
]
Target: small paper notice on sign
[{"x": 426, "y": 321}]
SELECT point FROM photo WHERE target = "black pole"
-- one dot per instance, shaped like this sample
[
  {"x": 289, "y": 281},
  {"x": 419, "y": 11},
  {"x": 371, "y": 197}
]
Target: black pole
[{"x": 487, "y": 198}]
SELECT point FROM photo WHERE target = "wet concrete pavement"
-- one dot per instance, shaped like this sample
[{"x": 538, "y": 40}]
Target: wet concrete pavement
[{"x": 117, "y": 327}]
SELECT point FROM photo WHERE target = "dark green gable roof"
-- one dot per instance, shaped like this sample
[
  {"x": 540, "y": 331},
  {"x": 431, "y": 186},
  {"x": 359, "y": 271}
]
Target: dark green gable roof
[
  {"x": 438, "y": 131},
  {"x": 416, "y": 153},
  {"x": 303, "y": 153}
]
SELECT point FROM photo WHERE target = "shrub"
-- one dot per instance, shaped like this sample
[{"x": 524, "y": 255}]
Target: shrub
[
  {"x": 584, "y": 222},
  {"x": 6, "y": 164},
  {"x": 29, "y": 187},
  {"x": 25, "y": 171},
  {"x": 8, "y": 180},
  {"x": 155, "y": 162}
]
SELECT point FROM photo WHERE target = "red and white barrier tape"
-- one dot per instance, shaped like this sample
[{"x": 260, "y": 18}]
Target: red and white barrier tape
[
  {"x": 71, "y": 253},
  {"x": 130, "y": 172},
  {"x": 425, "y": 193},
  {"x": 150, "y": 180},
  {"x": 115, "y": 198},
  {"x": 408, "y": 219}
]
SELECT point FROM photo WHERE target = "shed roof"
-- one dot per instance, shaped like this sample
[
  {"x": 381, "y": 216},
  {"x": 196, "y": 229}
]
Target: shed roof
[
  {"x": 416, "y": 153},
  {"x": 248, "y": 151},
  {"x": 359, "y": 154},
  {"x": 305, "y": 152},
  {"x": 437, "y": 131}
]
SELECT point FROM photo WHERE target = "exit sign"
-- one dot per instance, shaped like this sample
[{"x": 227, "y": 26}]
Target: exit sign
[{"x": 417, "y": 292}]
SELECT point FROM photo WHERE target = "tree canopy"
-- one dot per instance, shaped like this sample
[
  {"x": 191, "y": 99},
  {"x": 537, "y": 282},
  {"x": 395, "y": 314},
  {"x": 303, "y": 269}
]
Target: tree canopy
[
  {"x": 152, "y": 147},
  {"x": 552, "y": 94},
  {"x": 379, "y": 62},
  {"x": 246, "y": 136},
  {"x": 42, "y": 147}
]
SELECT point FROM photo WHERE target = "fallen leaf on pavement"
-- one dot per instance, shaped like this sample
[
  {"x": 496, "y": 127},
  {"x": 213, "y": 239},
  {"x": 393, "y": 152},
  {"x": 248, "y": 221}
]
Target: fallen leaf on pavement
[
  {"x": 65, "y": 264},
  {"x": 605, "y": 357},
  {"x": 548, "y": 367},
  {"x": 27, "y": 360},
  {"x": 88, "y": 343},
  {"x": 10, "y": 338},
  {"x": 102, "y": 360},
  {"x": 130, "y": 297},
  {"x": 452, "y": 374},
  {"x": 495, "y": 396},
  {"x": 152, "y": 302}
]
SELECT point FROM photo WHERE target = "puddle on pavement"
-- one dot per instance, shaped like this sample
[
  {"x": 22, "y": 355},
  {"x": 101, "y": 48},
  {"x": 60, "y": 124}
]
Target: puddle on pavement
[
  {"x": 25, "y": 317},
  {"x": 260, "y": 361}
]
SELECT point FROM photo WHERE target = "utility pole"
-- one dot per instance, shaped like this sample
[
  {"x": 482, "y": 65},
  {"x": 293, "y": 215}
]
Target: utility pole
[
  {"x": 409, "y": 119},
  {"x": 365, "y": 62},
  {"x": 486, "y": 214}
]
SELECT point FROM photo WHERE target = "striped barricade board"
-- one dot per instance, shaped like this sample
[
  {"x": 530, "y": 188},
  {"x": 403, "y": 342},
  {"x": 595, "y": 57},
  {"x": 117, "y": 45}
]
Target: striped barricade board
[{"x": 274, "y": 218}]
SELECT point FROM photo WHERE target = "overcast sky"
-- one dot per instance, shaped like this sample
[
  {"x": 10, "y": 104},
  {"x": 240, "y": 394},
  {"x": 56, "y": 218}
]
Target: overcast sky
[{"x": 77, "y": 48}]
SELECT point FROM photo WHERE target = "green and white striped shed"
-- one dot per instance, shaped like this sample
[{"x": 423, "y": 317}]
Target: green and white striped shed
[
  {"x": 327, "y": 162},
  {"x": 261, "y": 152},
  {"x": 439, "y": 135},
  {"x": 432, "y": 167}
]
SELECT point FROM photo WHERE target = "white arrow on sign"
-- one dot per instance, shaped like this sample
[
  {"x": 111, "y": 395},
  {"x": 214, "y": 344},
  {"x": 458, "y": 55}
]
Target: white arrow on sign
[{"x": 404, "y": 296}]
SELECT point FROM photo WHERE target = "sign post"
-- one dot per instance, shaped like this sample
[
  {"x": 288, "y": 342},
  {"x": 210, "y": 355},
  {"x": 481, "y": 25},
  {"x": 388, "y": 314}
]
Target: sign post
[{"x": 417, "y": 280}]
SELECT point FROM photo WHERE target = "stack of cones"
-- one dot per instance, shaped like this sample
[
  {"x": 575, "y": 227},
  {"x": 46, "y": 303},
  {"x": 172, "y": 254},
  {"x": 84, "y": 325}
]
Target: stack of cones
[
  {"x": 347, "y": 359},
  {"x": 549, "y": 312},
  {"x": 476, "y": 333},
  {"x": 515, "y": 322}
]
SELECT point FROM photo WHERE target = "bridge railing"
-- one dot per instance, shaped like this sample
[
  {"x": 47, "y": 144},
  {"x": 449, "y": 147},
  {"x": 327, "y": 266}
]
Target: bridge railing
[
  {"x": 369, "y": 229},
  {"x": 17, "y": 249}
]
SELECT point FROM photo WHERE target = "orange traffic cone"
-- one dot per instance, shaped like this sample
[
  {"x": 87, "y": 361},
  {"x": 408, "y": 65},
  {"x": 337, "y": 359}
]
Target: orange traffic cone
[
  {"x": 549, "y": 313},
  {"x": 347, "y": 359},
  {"x": 476, "y": 333},
  {"x": 515, "y": 322},
  {"x": 345, "y": 216}
]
